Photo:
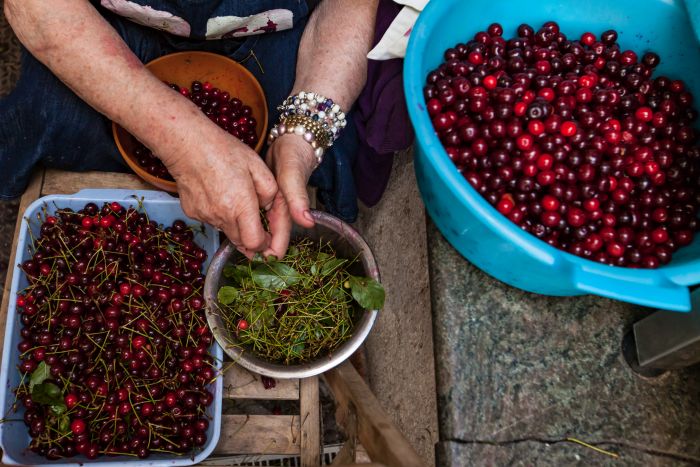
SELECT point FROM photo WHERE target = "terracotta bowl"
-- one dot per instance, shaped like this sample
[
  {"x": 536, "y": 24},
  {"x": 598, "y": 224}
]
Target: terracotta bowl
[{"x": 182, "y": 68}]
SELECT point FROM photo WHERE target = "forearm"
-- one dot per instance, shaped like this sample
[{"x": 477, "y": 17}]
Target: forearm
[
  {"x": 332, "y": 58},
  {"x": 87, "y": 54}
]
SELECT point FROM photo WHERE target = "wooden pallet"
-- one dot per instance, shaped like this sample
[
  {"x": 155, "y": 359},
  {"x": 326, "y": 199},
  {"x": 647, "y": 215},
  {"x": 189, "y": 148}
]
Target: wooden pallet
[{"x": 358, "y": 411}]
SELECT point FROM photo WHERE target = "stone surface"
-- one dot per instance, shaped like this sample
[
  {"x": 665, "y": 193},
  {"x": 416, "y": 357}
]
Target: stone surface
[
  {"x": 400, "y": 346},
  {"x": 513, "y": 365},
  {"x": 551, "y": 453}
]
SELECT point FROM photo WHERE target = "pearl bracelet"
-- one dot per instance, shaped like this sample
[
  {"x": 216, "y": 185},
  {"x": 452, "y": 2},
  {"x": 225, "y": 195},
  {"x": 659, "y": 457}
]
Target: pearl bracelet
[
  {"x": 311, "y": 130},
  {"x": 318, "y": 108}
]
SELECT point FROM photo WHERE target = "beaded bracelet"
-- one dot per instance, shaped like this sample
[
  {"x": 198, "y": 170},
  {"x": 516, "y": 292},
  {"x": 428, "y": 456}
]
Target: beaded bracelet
[
  {"x": 316, "y": 107},
  {"x": 311, "y": 130}
]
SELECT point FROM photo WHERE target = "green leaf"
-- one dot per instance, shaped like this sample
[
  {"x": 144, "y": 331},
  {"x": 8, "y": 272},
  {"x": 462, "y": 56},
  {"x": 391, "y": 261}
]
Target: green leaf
[
  {"x": 258, "y": 258},
  {"x": 314, "y": 269},
  {"x": 64, "y": 424},
  {"x": 331, "y": 266},
  {"x": 367, "y": 292},
  {"x": 59, "y": 409},
  {"x": 237, "y": 272},
  {"x": 47, "y": 393},
  {"x": 298, "y": 349},
  {"x": 275, "y": 276},
  {"x": 227, "y": 295},
  {"x": 42, "y": 373}
]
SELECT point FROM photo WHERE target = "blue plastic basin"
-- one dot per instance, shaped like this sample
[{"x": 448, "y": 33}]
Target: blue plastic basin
[{"x": 470, "y": 223}]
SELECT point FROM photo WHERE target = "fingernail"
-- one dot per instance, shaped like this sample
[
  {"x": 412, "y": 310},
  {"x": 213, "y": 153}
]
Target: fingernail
[
  {"x": 308, "y": 216},
  {"x": 267, "y": 207}
]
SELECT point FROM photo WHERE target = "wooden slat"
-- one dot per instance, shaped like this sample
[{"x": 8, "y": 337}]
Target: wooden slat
[
  {"x": 259, "y": 434},
  {"x": 376, "y": 431},
  {"x": 310, "y": 409},
  {"x": 240, "y": 383},
  {"x": 30, "y": 195},
  {"x": 59, "y": 181}
]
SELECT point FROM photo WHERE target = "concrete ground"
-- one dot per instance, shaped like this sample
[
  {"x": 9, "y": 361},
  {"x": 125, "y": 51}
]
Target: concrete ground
[{"x": 400, "y": 347}]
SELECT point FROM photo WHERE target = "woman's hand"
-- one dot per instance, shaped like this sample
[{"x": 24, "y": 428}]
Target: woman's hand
[
  {"x": 223, "y": 182},
  {"x": 292, "y": 160}
]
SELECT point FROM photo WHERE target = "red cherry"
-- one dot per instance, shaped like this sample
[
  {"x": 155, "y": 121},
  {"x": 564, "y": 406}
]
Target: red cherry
[
  {"x": 138, "y": 341},
  {"x": 535, "y": 127},
  {"x": 505, "y": 205},
  {"x": 490, "y": 82},
  {"x": 550, "y": 203},
  {"x": 78, "y": 426},
  {"x": 545, "y": 162},
  {"x": 587, "y": 81},
  {"x": 591, "y": 204},
  {"x": 550, "y": 218},
  {"x": 71, "y": 400},
  {"x": 116, "y": 207},
  {"x": 588, "y": 38},
  {"x": 519, "y": 109},
  {"x": 242, "y": 324},
  {"x": 524, "y": 142},
  {"x": 644, "y": 114},
  {"x": 547, "y": 94},
  {"x": 659, "y": 235},
  {"x": 434, "y": 107},
  {"x": 575, "y": 217},
  {"x": 124, "y": 288},
  {"x": 568, "y": 129},
  {"x": 615, "y": 249},
  {"x": 475, "y": 58},
  {"x": 86, "y": 222}
]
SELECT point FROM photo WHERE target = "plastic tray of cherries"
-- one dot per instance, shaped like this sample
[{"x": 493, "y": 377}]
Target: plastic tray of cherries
[{"x": 107, "y": 356}]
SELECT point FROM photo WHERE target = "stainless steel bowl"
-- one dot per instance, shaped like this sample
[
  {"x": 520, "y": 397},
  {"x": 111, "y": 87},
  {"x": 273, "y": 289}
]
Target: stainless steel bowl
[{"x": 348, "y": 243}]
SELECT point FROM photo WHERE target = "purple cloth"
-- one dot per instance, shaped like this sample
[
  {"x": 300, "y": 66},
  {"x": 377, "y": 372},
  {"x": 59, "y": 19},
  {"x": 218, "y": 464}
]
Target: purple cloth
[{"x": 381, "y": 117}]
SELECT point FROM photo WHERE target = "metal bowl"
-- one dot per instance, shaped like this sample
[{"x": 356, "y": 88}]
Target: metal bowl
[{"x": 348, "y": 243}]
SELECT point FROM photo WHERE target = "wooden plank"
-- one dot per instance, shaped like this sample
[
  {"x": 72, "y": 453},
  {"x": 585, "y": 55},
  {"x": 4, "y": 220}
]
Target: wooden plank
[
  {"x": 259, "y": 434},
  {"x": 310, "y": 409},
  {"x": 240, "y": 383},
  {"x": 30, "y": 195},
  {"x": 59, "y": 181},
  {"x": 376, "y": 431}
]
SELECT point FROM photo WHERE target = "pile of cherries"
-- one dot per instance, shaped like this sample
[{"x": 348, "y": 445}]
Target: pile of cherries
[
  {"x": 113, "y": 321},
  {"x": 230, "y": 113},
  {"x": 572, "y": 140}
]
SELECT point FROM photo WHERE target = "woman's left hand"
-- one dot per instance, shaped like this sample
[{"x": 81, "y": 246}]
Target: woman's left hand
[{"x": 291, "y": 160}]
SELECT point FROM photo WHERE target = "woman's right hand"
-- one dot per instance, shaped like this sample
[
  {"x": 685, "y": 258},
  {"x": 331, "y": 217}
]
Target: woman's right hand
[{"x": 222, "y": 182}]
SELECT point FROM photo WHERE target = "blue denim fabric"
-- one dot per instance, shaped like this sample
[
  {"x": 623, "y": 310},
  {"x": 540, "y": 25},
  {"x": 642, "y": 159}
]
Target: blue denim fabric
[{"x": 44, "y": 122}]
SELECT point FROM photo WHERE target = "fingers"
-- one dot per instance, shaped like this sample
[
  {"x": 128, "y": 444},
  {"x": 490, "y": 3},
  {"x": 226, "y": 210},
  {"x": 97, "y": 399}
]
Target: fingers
[
  {"x": 280, "y": 227},
  {"x": 292, "y": 183},
  {"x": 264, "y": 183},
  {"x": 253, "y": 236},
  {"x": 293, "y": 161}
]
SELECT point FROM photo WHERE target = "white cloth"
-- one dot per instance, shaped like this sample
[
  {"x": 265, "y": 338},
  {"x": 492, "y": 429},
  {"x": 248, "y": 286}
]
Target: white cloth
[{"x": 394, "y": 41}]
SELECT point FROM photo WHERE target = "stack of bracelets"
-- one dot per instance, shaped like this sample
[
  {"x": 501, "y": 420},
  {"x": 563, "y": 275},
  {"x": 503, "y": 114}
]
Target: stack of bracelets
[{"x": 317, "y": 119}]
